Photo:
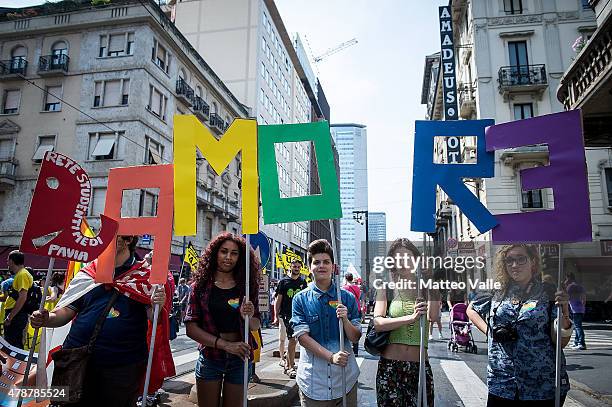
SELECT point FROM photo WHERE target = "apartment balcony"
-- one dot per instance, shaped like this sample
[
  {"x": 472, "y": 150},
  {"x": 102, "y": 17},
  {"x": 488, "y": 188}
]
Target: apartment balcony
[
  {"x": 233, "y": 212},
  {"x": 513, "y": 157},
  {"x": 8, "y": 166},
  {"x": 184, "y": 92},
  {"x": 587, "y": 85},
  {"x": 53, "y": 65},
  {"x": 218, "y": 202},
  {"x": 201, "y": 109},
  {"x": 217, "y": 123},
  {"x": 13, "y": 68},
  {"x": 203, "y": 196},
  {"x": 522, "y": 79},
  {"x": 467, "y": 102}
]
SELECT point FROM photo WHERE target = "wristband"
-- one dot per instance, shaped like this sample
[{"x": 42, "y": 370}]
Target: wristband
[
  {"x": 331, "y": 359},
  {"x": 216, "y": 340},
  {"x": 565, "y": 333}
]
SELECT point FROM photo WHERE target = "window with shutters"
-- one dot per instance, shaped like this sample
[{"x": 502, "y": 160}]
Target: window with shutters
[
  {"x": 103, "y": 146},
  {"x": 160, "y": 56},
  {"x": 111, "y": 93},
  {"x": 208, "y": 228},
  {"x": 10, "y": 101},
  {"x": 154, "y": 151},
  {"x": 116, "y": 45},
  {"x": 148, "y": 203},
  {"x": 6, "y": 149},
  {"x": 98, "y": 198},
  {"x": 18, "y": 57},
  {"x": 157, "y": 103},
  {"x": 52, "y": 96},
  {"x": 45, "y": 143}
]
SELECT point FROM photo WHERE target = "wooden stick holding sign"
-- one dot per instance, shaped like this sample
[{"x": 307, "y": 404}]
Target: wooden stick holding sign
[
  {"x": 151, "y": 348},
  {"x": 338, "y": 291},
  {"x": 245, "y": 382},
  {"x": 558, "y": 335},
  {"x": 41, "y": 306},
  {"x": 422, "y": 392}
]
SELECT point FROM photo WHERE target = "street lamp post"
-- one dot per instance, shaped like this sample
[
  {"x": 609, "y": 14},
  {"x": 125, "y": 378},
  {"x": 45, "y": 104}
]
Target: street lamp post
[{"x": 361, "y": 217}]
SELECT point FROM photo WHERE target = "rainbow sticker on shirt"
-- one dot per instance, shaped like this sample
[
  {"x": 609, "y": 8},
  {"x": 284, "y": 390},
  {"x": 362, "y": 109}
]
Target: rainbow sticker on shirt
[
  {"x": 528, "y": 306},
  {"x": 113, "y": 313},
  {"x": 333, "y": 304},
  {"x": 234, "y": 302}
]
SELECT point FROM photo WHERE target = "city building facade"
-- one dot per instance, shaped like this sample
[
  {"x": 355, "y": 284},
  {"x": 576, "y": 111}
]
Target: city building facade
[
  {"x": 102, "y": 85},
  {"x": 252, "y": 52},
  {"x": 351, "y": 142},
  {"x": 510, "y": 57}
]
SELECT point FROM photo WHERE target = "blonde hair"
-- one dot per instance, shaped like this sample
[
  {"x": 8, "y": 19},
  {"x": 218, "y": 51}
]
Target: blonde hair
[{"x": 500, "y": 268}]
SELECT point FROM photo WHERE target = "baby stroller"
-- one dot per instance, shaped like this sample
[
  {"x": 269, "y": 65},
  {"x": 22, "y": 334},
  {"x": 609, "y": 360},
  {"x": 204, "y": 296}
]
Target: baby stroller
[{"x": 461, "y": 330}]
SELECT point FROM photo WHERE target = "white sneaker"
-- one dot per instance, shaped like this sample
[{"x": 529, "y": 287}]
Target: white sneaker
[
  {"x": 431, "y": 337},
  {"x": 440, "y": 335}
]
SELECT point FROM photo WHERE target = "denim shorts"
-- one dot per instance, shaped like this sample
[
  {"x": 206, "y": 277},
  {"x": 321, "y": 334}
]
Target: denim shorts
[{"x": 231, "y": 368}]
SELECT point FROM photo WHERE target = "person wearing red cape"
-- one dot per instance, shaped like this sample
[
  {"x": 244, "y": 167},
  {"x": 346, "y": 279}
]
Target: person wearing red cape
[{"x": 116, "y": 367}]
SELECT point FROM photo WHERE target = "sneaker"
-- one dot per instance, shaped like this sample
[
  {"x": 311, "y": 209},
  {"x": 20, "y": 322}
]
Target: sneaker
[
  {"x": 291, "y": 372},
  {"x": 283, "y": 361},
  {"x": 440, "y": 336},
  {"x": 431, "y": 337}
]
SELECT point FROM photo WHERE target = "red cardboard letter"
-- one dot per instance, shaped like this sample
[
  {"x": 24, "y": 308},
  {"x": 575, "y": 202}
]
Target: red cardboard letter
[{"x": 149, "y": 176}]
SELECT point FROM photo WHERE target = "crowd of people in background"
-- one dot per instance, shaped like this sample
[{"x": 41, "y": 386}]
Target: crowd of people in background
[{"x": 211, "y": 302}]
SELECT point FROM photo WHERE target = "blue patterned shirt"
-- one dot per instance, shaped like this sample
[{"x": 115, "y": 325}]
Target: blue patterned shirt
[
  {"x": 314, "y": 312},
  {"x": 523, "y": 369}
]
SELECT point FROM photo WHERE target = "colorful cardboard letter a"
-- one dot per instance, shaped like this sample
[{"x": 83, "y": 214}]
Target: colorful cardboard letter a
[
  {"x": 149, "y": 176},
  {"x": 449, "y": 176}
]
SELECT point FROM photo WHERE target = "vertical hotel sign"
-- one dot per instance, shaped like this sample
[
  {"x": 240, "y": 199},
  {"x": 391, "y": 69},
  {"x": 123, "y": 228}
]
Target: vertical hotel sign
[{"x": 449, "y": 82}]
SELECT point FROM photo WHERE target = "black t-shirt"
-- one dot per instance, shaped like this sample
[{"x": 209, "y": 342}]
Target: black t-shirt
[
  {"x": 224, "y": 306},
  {"x": 288, "y": 288}
]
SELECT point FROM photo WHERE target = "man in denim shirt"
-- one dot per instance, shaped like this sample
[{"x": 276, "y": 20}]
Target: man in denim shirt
[{"x": 315, "y": 322}]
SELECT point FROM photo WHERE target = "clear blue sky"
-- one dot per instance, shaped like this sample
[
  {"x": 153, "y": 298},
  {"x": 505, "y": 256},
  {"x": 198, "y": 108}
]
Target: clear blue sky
[{"x": 376, "y": 82}]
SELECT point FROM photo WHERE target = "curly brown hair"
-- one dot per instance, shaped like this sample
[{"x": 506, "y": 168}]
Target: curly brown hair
[
  {"x": 208, "y": 264},
  {"x": 500, "y": 268}
]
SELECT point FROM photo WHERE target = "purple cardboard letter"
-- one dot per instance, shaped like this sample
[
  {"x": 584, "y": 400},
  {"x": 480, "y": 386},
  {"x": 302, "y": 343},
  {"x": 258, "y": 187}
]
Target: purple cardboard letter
[{"x": 570, "y": 220}]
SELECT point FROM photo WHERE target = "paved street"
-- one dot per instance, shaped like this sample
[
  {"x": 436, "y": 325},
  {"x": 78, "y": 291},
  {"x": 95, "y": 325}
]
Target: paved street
[{"x": 460, "y": 378}]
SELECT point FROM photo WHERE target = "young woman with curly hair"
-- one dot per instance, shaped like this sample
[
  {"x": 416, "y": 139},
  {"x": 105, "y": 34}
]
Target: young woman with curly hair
[
  {"x": 215, "y": 319},
  {"x": 519, "y": 319}
]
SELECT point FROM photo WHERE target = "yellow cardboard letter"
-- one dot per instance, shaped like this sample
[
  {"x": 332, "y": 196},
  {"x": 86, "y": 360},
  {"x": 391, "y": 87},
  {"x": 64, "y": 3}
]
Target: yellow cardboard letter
[{"x": 189, "y": 133}]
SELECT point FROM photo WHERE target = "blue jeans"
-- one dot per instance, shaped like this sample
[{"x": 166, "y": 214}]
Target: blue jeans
[
  {"x": 230, "y": 368},
  {"x": 265, "y": 319},
  {"x": 577, "y": 320}
]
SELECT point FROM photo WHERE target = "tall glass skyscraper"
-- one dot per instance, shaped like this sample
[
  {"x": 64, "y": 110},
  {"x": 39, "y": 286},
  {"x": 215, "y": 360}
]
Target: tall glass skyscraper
[
  {"x": 377, "y": 233},
  {"x": 351, "y": 142}
]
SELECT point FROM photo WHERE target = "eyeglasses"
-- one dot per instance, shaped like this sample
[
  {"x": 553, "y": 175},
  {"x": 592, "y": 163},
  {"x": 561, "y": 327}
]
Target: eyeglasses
[{"x": 519, "y": 260}]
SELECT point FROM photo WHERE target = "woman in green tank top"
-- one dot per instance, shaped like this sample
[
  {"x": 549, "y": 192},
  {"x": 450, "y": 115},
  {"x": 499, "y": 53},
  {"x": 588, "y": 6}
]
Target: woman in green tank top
[{"x": 398, "y": 369}]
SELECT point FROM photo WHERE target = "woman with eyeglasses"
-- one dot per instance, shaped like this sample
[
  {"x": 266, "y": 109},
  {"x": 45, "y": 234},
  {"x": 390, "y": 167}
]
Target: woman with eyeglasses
[{"x": 519, "y": 319}]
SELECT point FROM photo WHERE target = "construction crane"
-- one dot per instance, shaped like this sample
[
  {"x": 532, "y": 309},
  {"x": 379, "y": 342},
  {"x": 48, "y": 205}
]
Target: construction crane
[{"x": 336, "y": 49}]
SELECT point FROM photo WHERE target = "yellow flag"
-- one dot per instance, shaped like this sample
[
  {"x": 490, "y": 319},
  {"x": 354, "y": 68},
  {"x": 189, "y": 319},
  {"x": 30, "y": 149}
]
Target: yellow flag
[{"x": 191, "y": 257}]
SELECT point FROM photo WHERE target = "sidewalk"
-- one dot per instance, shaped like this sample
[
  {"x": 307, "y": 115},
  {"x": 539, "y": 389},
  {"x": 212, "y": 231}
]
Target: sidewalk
[{"x": 275, "y": 389}]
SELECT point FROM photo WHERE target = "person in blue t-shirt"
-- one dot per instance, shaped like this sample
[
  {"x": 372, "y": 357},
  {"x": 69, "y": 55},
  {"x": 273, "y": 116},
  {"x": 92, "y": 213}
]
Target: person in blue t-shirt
[{"x": 116, "y": 367}]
